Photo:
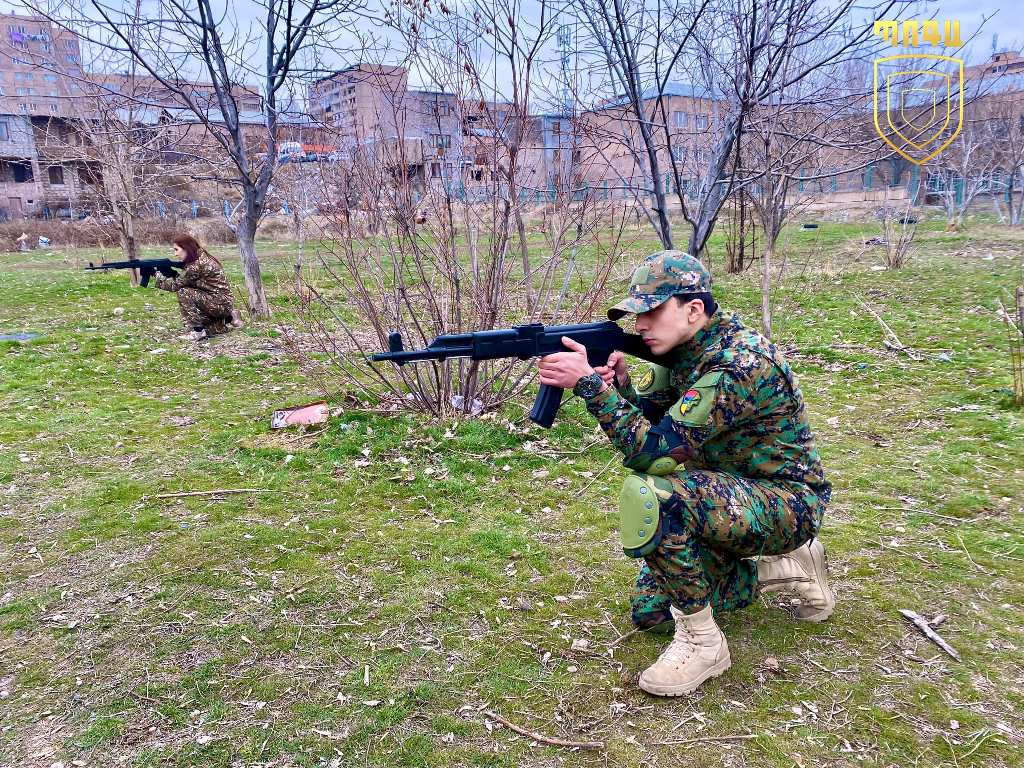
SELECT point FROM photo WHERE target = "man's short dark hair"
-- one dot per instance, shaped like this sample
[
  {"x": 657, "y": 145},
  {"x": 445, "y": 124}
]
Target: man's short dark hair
[{"x": 710, "y": 305}]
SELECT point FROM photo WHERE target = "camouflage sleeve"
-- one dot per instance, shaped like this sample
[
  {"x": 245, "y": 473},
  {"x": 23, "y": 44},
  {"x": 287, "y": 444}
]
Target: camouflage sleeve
[
  {"x": 187, "y": 279},
  {"x": 627, "y": 391},
  {"x": 716, "y": 402},
  {"x": 192, "y": 276}
]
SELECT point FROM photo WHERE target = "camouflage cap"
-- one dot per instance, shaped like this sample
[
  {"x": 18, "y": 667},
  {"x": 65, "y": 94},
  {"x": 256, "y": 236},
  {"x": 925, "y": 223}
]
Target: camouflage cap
[{"x": 659, "y": 277}]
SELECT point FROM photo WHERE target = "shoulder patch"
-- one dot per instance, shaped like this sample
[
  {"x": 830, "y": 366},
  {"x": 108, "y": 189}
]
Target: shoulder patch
[
  {"x": 646, "y": 379},
  {"x": 654, "y": 378},
  {"x": 693, "y": 409}
]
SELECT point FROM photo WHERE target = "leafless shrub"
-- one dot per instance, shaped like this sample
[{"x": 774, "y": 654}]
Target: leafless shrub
[
  {"x": 1015, "y": 330},
  {"x": 445, "y": 266},
  {"x": 899, "y": 227}
]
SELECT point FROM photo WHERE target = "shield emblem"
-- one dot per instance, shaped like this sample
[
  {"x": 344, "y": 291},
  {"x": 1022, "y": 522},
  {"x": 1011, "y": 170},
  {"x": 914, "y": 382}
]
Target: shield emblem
[{"x": 919, "y": 103}]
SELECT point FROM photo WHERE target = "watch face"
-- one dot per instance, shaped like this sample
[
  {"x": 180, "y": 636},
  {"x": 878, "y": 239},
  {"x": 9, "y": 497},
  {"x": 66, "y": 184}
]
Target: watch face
[{"x": 589, "y": 386}]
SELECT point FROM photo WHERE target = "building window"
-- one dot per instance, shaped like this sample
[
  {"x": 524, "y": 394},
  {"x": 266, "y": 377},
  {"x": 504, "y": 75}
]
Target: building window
[
  {"x": 22, "y": 172},
  {"x": 435, "y": 170},
  {"x": 73, "y": 58},
  {"x": 69, "y": 44},
  {"x": 679, "y": 154},
  {"x": 53, "y": 109},
  {"x": 701, "y": 122},
  {"x": 56, "y": 175},
  {"x": 25, "y": 77},
  {"x": 679, "y": 119},
  {"x": 440, "y": 140},
  {"x": 5, "y": 133},
  {"x": 556, "y": 127},
  {"x": 51, "y": 78},
  {"x": 442, "y": 109}
]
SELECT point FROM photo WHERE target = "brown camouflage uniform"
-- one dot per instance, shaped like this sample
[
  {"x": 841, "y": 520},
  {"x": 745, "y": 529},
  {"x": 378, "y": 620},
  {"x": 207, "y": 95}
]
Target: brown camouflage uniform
[
  {"x": 204, "y": 295},
  {"x": 721, "y": 439}
]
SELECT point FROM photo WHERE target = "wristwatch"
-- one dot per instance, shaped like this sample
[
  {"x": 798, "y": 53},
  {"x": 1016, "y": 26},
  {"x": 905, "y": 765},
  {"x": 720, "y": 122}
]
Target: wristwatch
[{"x": 589, "y": 385}]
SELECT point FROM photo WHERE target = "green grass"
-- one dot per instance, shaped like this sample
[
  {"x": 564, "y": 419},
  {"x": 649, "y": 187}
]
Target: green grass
[{"x": 353, "y": 613}]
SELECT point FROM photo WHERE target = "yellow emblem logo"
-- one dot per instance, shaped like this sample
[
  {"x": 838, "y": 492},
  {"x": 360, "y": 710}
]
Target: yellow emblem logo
[
  {"x": 919, "y": 97},
  {"x": 646, "y": 379}
]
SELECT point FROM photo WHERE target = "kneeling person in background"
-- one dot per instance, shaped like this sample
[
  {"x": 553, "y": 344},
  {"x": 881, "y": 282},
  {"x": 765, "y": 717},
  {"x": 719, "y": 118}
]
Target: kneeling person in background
[{"x": 204, "y": 294}]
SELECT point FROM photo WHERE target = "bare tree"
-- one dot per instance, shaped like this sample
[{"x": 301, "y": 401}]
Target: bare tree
[
  {"x": 964, "y": 170},
  {"x": 737, "y": 55},
  {"x": 447, "y": 180},
  {"x": 1004, "y": 125},
  {"x": 802, "y": 134},
  {"x": 182, "y": 41}
]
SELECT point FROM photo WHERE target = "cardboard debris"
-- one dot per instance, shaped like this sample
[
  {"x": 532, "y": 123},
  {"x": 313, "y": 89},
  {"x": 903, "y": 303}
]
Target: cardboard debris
[{"x": 300, "y": 415}]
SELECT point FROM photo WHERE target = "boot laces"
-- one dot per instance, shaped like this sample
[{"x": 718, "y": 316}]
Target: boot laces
[{"x": 682, "y": 646}]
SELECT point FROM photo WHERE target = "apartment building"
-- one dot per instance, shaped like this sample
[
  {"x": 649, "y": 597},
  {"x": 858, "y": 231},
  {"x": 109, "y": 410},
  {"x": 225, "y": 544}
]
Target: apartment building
[
  {"x": 35, "y": 57},
  {"x": 370, "y": 112},
  {"x": 46, "y": 97}
]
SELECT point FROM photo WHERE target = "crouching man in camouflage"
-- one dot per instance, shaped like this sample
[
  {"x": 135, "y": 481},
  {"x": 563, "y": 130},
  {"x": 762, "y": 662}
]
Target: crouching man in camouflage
[{"x": 727, "y": 492}]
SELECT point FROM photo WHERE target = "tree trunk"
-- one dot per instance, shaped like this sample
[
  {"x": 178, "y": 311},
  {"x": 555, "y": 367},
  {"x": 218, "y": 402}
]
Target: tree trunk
[
  {"x": 766, "y": 289},
  {"x": 251, "y": 267},
  {"x": 129, "y": 245},
  {"x": 525, "y": 253}
]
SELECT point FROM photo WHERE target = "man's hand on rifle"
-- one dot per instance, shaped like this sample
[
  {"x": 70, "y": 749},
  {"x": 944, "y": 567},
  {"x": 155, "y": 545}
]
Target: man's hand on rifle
[
  {"x": 615, "y": 373},
  {"x": 564, "y": 369}
]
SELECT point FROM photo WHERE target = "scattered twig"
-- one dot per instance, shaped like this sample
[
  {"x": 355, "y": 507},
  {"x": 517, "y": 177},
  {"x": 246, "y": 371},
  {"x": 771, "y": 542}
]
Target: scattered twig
[
  {"x": 623, "y": 638},
  {"x": 891, "y": 340},
  {"x": 702, "y": 739},
  {"x": 967, "y": 552},
  {"x": 600, "y": 474},
  {"x": 922, "y": 624},
  {"x": 543, "y": 739},
  {"x": 304, "y": 435},
  {"x": 215, "y": 492}
]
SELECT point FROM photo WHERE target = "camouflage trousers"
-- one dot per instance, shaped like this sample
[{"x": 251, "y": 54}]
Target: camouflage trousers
[
  {"x": 711, "y": 523},
  {"x": 202, "y": 309}
]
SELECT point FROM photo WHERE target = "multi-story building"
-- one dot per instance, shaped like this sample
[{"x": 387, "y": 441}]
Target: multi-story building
[
  {"x": 48, "y": 101},
  {"x": 370, "y": 111},
  {"x": 36, "y": 58}
]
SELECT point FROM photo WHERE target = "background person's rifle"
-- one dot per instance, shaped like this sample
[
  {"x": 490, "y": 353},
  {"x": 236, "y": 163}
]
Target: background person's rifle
[
  {"x": 524, "y": 342},
  {"x": 147, "y": 267}
]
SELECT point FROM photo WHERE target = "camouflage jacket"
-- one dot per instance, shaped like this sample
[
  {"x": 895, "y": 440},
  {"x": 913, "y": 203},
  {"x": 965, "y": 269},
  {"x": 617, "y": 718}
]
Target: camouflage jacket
[
  {"x": 204, "y": 274},
  {"x": 728, "y": 403}
]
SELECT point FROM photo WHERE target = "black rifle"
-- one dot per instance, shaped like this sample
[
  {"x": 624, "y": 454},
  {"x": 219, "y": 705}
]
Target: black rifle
[
  {"x": 524, "y": 342},
  {"x": 147, "y": 267}
]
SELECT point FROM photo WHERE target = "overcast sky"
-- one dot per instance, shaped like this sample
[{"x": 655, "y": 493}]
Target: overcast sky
[{"x": 980, "y": 19}]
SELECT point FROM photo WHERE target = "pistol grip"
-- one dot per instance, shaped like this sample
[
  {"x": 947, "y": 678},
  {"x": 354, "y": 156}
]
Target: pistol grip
[{"x": 545, "y": 407}]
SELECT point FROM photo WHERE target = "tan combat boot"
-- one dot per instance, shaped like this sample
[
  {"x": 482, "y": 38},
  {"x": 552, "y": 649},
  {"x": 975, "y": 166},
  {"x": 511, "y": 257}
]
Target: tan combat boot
[
  {"x": 697, "y": 652},
  {"x": 802, "y": 571}
]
